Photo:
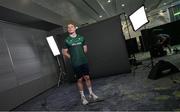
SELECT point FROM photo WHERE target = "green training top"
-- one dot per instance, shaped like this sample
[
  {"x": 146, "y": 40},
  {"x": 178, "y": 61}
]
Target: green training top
[{"x": 76, "y": 51}]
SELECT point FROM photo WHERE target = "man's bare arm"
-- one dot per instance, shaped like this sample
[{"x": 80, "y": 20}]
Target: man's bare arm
[
  {"x": 66, "y": 54},
  {"x": 85, "y": 48}
]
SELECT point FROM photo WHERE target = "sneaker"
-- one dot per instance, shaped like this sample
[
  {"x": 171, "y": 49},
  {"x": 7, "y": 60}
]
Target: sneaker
[
  {"x": 93, "y": 96},
  {"x": 83, "y": 100}
]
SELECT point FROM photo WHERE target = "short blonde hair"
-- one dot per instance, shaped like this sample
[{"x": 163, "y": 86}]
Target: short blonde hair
[{"x": 71, "y": 22}]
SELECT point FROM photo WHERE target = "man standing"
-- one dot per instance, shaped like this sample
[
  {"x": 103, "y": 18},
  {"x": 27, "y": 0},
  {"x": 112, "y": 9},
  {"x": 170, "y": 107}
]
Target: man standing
[{"x": 75, "y": 49}]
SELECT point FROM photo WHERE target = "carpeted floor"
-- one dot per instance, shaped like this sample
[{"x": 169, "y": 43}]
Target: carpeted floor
[{"x": 133, "y": 91}]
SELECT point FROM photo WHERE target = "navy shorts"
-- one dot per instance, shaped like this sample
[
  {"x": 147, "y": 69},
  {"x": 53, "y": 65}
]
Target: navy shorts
[{"x": 81, "y": 70}]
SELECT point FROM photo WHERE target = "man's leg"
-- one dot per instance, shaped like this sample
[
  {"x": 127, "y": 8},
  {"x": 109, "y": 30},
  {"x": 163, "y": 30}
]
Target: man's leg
[
  {"x": 80, "y": 87},
  {"x": 87, "y": 79},
  {"x": 89, "y": 85}
]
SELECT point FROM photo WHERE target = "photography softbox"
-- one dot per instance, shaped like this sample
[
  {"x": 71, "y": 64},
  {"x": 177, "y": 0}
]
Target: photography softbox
[
  {"x": 56, "y": 52},
  {"x": 53, "y": 45},
  {"x": 138, "y": 18}
]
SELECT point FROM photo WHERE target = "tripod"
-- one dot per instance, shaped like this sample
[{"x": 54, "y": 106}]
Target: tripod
[
  {"x": 151, "y": 63},
  {"x": 60, "y": 79},
  {"x": 61, "y": 72}
]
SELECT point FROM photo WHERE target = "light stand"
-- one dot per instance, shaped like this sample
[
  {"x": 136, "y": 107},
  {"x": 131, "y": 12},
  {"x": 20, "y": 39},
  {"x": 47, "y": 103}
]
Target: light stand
[
  {"x": 132, "y": 56},
  {"x": 60, "y": 79},
  {"x": 151, "y": 63},
  {"x": 138, "y": 19},
  {"x": 61, "y": 75},
  {"x": 61, "y": 72},
  {"x": 56, "y": 52}
]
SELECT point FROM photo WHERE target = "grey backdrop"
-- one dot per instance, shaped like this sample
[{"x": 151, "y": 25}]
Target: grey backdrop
[
  {"x": 27, "y": 66},
  {"x": 107, "y": 52}
]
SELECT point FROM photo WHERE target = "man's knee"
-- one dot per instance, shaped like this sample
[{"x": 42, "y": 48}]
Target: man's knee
[
  {"x": 86, "y": 77},
  {"x": 80, "y": 80}
]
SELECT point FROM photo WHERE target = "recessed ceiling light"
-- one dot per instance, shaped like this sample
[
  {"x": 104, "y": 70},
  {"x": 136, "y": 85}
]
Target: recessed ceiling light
[
  {"x": 109, "y": 1},
  {"x": 122, "y": 5},
  {"x": 100, "y": 16}
]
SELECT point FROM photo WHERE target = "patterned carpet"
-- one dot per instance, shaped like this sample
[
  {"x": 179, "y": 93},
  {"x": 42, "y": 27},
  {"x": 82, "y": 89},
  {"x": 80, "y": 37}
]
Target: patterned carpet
[{"x": 124, "y": 92}]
